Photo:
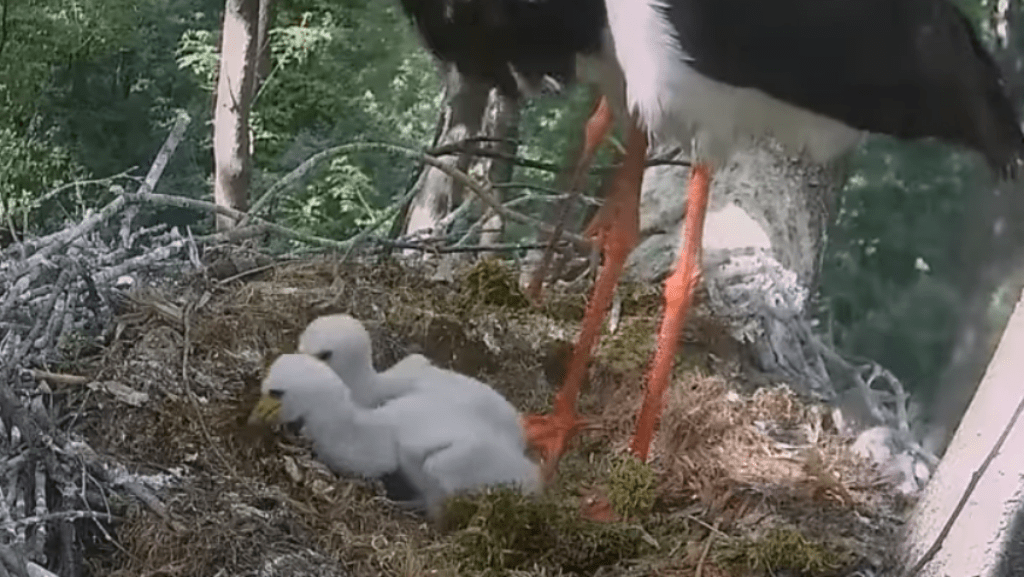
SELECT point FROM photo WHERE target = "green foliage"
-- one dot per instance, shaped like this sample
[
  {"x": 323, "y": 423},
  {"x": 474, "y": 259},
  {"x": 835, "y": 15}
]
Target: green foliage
[
  {"x": 343, "y": 72},
  {"x": 891, "y": 271},
  {"x": 89, "y": 87},
  {"x": 197, "y": 53},
  {"x": 30, "y": 166},
  {"x": 45, "y": 33},
  {"x": 338, "y": 200}
]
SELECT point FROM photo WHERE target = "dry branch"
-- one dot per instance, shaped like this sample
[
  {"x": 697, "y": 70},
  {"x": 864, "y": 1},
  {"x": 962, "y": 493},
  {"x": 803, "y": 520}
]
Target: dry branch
[
  {"x": 58, "y": 288},
  {"x": 479, "y": 190}
]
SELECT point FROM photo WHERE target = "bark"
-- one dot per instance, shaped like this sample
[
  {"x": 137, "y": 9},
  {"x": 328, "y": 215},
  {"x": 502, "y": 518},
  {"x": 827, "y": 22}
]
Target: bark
[
  {"x": 980, "y": 475},
  {"x": 501, "y": 121},
  {"x": 263, "y": 62},
  {"x": 231, "y": 146},
  {"x": 438, "y": 195},
  {"x": 763, "y": 242},
  {"x": 398, "y": 225}
]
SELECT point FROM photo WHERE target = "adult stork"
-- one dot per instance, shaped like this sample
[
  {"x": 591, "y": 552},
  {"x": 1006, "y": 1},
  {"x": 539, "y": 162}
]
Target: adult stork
[{"x": 817, "y": 75}]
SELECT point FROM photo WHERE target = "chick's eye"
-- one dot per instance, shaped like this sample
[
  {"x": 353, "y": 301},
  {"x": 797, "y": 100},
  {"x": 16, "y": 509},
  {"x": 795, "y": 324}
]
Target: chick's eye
[
  {"x": 324, "y": 355},
  {"x": 275, "y": 393}
]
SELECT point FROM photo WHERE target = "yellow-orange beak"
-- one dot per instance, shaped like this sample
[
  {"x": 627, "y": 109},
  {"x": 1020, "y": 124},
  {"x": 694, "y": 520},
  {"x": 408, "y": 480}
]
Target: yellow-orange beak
[{"x": 266, "y": 411}]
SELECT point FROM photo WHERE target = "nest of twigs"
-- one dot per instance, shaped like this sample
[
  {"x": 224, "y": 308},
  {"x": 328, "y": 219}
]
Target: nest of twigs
[
  {"x": 737, "y": 484},
  {"x": 727, "y": 468}
]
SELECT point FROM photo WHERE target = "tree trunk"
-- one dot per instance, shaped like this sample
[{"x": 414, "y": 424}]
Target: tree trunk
[
  {"x": 501, "y": 121},
  {"x": 263, "y": 62},
  {"x": 231, "y": 152},
  {"x": 763, "y": 241},
  {"x": 984, "y": 539},
  {"x": 438, "y": 194}
]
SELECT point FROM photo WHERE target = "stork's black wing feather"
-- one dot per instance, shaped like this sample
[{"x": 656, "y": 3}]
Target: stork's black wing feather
[
  {"x": 908, "y": 68},
  {"x": 484, "y": 38}
]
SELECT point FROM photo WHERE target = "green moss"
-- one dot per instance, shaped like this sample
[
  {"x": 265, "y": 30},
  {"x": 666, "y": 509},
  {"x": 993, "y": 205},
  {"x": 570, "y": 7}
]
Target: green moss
[
  {"x": 784, "y": 549},
  {"x": 642, "y": 299},
  {"x": 501, "y": 530},
  {"x": 631, "y": 487},
  {"x": 491, "y": 282},
  {"x": 630, "y": 348},
  {"x": 565, "y": 306}
]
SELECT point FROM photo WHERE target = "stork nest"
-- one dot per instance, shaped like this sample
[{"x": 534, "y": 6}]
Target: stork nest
[{"x": 738, "y": 484}]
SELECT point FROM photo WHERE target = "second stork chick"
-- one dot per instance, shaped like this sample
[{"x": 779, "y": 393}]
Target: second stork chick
[
  {"x": 342, "y": 342},
  {"x": 439, "y": 453}
]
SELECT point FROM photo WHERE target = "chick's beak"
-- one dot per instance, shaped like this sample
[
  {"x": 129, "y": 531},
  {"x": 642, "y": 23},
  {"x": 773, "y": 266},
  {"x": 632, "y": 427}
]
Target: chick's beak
[{"x": 266, "y": 411}]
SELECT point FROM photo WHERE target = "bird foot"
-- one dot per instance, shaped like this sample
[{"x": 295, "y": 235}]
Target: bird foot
[{"x": 549, "y": 436}]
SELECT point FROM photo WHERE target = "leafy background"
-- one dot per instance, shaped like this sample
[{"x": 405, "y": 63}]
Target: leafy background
[{"x": 88, "y": 89}]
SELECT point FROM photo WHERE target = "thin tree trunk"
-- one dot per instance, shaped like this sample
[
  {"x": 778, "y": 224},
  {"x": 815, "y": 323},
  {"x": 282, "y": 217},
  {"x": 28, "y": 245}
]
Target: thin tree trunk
[
  {"x": 263, "y": 62},
  {"x": 398, "y": 225},
  {"x": 231, "y": 152},
  {"x": 762, "y": 246},
  {"x": 979, "y": 541},
  {"x": 438, "y": 194},
  {"x": 501, "y": 121}
]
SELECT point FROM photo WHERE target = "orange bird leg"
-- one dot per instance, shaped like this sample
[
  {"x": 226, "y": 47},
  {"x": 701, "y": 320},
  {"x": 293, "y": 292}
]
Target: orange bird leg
[
  {"x": 596, "y": 130},
  {"x": 617, "y": 229},
  {"x": 679, "y": 289}
]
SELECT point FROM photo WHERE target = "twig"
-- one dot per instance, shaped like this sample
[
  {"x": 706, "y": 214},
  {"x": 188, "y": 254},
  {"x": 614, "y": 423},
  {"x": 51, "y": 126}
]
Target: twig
[
  {"x": 246, "y": 273},
  {"x": 59, "y": 240},
  {"x": 296, "y": 174},
  {"x": 151, "y": 501},
  {"x": 511, "y": 247},
  {"x": 13, "y": 561},
  {"x": 44, "y": 314},
  {"x": 481, "y": 192},
  {"x": 389, "y": 213},
  {"x": 713, "y": 528},
  {"x": 181, "y": 201},
  {"x": 552, "y": 194},
  {"x": 462, "y": 148},
  {"x": 60, "y": 516},
  {"x": 707, "y": 549},
  {"x": 451, "y": 217},
  {"x": 35, "y": 547},
  {"x": 58, "y": 378},
  {"x": 975, "y": 478},
  {"x": 78, "y": 183},
  {"x": 234, "y": 235},
  {"x": 5, "y": 512},
  {"x": 456, "y": 175}
]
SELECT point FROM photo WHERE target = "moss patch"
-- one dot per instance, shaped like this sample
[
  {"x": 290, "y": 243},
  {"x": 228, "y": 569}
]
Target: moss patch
[
  {"x": 784, "y": 549},
  {"x": 503, "y": 531},
  {"x": 631, "y": 487},
  {"x": 491, "y": 282}
]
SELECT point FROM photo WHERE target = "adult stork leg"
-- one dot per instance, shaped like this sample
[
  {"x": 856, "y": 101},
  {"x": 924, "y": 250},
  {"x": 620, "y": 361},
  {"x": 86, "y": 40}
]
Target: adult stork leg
[
  {"x": 616, "y": 227},
  {"x": 679, "y": 289},
  {"x": 594, "y": 133}
]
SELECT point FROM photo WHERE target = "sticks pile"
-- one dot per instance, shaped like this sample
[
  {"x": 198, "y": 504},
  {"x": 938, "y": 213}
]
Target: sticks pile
[{"x": 52, "y": 289}]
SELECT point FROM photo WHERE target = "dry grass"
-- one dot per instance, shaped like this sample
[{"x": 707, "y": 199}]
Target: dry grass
[{"x": 248, "y": 499}]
